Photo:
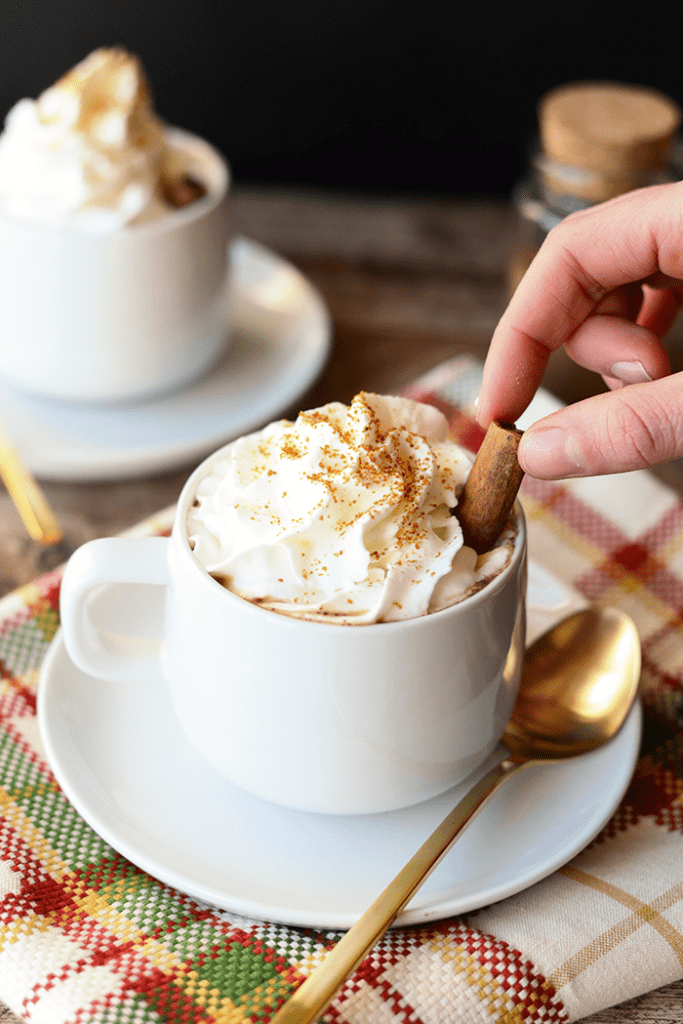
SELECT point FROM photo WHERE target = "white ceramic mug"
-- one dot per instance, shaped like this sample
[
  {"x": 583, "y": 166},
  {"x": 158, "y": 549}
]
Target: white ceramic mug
[
  {"x": 315, "y": 716},
  {"x": 117, "y": 316}
]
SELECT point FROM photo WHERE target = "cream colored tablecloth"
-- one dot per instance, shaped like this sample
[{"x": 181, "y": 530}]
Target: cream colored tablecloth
[{"x": 86, "y": 937}]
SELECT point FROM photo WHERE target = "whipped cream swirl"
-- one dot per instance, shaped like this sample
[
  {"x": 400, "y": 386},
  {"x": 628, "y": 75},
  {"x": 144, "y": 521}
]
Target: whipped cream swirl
[
  {"x": 343, "y": 516},
  {"x": 87, "y": 153}
]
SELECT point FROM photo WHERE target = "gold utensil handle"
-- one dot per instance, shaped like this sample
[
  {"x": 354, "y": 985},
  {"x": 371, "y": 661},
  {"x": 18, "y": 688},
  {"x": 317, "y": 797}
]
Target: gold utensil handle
[
  {"x": 31, "y": 503},
  {"x": 314, "y": 994}
]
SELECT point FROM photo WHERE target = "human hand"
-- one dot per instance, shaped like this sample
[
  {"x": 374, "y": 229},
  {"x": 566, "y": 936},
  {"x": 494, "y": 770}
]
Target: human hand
[{"x": 607, "y": 284}]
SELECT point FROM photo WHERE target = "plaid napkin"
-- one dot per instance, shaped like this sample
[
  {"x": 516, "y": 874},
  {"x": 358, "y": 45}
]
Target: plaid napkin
[{"x": 87, "y": 937}]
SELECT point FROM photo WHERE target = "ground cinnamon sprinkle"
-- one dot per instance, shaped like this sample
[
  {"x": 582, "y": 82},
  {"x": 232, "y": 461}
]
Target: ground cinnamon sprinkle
[{"x": 362, "y": 506}]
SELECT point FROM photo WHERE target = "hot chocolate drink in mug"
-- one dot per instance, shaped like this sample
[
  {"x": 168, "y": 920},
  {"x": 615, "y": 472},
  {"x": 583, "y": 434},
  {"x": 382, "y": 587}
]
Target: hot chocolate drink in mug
[
  {"x": 330, "y": 643},
  {"x": 113, "y": 241}
]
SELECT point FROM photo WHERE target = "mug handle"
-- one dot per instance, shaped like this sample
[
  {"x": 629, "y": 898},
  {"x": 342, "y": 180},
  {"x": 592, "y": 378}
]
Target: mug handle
[{"x": 109, "y": 560}]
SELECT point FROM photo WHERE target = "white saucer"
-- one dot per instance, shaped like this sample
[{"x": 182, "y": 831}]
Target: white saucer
[
  {"x": 121, "y": 759},
  {"x": 280, "y": 341}
]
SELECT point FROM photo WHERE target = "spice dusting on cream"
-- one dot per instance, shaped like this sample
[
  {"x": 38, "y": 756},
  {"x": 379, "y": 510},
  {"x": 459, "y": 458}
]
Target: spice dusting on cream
[
  {"x": 90, "y": 152},
  {"x": 344, "y": 515}
]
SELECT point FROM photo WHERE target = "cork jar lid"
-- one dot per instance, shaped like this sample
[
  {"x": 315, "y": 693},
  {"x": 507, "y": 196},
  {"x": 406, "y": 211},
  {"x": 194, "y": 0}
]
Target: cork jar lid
[{"x": 622, "y": 132}]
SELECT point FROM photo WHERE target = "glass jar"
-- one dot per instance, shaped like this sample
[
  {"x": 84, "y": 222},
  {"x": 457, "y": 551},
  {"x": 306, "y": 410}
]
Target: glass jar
[{"x": 596, "y": 141}]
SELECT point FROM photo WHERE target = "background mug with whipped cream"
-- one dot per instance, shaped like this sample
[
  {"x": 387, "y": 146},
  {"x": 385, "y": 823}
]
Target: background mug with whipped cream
[
  {"x": 329, "y": 642},
  {"x": 113, "y": 241}
]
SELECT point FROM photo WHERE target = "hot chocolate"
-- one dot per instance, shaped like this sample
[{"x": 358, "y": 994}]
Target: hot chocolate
[
  {"x": 347, "y": 515},
  {"x": 342, "y": 517},
  {"x": 90, "y": 153},
  {"x": 114, "y": 233}
]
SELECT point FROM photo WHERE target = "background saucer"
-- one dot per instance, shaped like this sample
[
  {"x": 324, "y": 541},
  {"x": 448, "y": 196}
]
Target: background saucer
[{"x": 280, "y": 341}]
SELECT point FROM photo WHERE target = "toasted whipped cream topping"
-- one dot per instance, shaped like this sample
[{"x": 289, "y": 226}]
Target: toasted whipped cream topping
[
  {"x": 88, "y": 151},
  {"x": 343, "y": 516}
]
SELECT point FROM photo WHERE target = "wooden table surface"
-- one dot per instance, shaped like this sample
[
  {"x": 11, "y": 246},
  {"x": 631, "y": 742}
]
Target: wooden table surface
[{"x": 408, "y": 284}]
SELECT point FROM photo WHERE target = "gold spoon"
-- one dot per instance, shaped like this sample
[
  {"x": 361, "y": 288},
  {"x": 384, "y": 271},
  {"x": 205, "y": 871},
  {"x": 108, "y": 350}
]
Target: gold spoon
[
  {"x": 579, "y": 683},
  {"x": 23, "y": 489}
]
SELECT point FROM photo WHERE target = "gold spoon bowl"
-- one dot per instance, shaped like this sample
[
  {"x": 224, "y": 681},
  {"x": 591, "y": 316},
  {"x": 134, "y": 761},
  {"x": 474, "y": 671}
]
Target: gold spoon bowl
[{"x": 579, "y": 682}]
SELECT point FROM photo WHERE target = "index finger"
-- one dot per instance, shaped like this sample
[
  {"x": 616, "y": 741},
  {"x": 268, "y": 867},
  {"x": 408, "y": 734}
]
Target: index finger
[{"x": 588, "y": 255}]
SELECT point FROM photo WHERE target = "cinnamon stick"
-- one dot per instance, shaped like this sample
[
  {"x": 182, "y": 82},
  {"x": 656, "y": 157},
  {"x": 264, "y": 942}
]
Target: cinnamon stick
[
  {"x": 491, "y": 488},
  {"x": 181, "y": 192}
]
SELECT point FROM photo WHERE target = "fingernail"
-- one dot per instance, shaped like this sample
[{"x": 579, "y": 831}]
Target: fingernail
[
  {"x": 549, "y": 453},
  {"x": 630, "y": 373}
]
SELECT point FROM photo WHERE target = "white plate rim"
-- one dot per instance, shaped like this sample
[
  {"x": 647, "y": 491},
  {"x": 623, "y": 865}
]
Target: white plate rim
[
  {"x": 622, "y": 754},
  {"x": 52, "y": 436}
]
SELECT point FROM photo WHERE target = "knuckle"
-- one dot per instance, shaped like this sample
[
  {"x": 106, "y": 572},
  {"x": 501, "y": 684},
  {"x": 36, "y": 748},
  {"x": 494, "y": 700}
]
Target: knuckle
[
  {"x": 570, "y": 267},
  {"x": 639, "y": 435}
]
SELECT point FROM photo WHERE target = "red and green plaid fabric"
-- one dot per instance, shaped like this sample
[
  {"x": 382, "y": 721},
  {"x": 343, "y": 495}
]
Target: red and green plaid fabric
[{"x": 86, "y": 937}]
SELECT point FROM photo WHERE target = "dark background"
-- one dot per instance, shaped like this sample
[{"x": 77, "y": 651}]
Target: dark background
[{"x": 369, "y": 96}]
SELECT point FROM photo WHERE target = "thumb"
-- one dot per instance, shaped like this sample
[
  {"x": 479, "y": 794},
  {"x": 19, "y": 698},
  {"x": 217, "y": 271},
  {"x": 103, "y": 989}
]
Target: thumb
[{"x": 632, "y": 428}]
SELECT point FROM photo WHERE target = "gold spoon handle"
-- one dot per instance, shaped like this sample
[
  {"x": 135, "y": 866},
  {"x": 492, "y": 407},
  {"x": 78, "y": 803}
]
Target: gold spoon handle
[
  {"x": 313, "y": 995},
  {"x": 30, "y": 501}
]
